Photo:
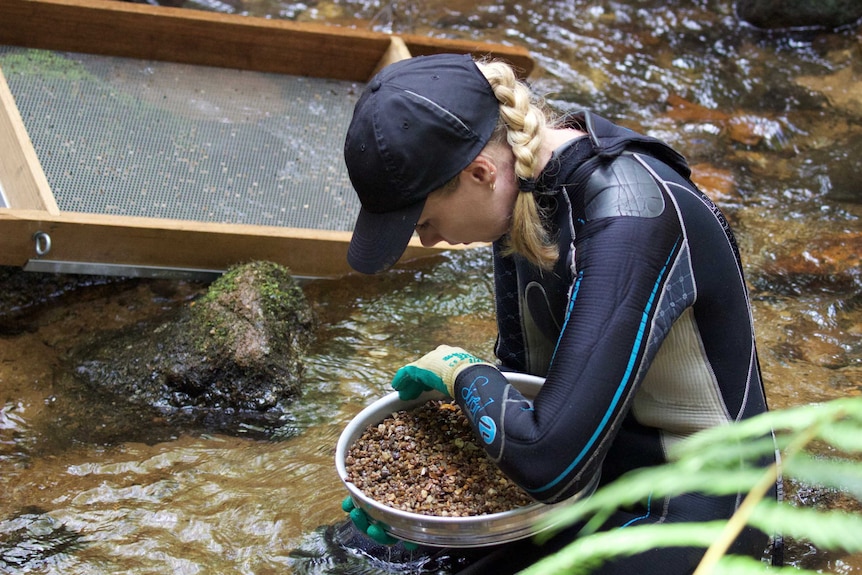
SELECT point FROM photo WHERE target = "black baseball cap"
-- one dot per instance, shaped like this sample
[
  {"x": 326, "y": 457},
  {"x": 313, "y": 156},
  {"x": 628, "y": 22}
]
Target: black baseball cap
[{"x": 417, "y": 124}]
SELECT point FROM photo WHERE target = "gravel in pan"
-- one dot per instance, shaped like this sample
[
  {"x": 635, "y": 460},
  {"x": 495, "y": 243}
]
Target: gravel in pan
[{"x": 427, "y": 461}]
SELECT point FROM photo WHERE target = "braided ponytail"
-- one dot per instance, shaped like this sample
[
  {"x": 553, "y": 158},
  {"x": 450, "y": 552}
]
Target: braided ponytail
[{"x": 521, "y": 123}]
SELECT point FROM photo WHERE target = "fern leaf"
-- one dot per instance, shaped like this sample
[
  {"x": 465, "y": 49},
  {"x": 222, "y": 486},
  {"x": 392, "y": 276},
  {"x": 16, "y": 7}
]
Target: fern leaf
[
  {"x": 843, "y": 436},
  {"x": 838, "y": 474},
  {"x": 836, "y": 530},
  {"x": 638, "y": 486},
  {"x": 790, "y": 420},
  {"x": 586, "y": 553}
]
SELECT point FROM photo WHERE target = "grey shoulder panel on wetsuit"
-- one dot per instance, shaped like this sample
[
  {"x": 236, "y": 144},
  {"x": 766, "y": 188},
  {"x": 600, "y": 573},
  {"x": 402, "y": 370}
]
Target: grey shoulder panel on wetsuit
[{"x": 623, "y": 187}]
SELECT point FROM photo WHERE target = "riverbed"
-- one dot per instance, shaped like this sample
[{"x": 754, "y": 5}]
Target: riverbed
[{"x": 772, "y": 125}]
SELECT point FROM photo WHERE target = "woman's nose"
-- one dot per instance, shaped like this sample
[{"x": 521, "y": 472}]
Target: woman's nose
[{"x": 429, "y": 237}]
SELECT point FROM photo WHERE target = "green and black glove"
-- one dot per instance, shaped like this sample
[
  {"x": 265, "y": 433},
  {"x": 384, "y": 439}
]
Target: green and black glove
[{"x": 437, "y": 369}]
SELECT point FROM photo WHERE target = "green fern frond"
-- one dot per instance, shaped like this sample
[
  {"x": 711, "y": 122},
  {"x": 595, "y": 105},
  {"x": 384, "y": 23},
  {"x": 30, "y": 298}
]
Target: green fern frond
[
  {"x": 583, "y": 555},
  {"x": 836, "y": 530},
  {"x": 723, "y": 461},
  {"x": 783, "y": 422},
  {"x": 638, "y": 486},
  {"x": 842, "y": 474},
  {"x": 728, "y": 454},
  {"x": 843, "y": 436}
]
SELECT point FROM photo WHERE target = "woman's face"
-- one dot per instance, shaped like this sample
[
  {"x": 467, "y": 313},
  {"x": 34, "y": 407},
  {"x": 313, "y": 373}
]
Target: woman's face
[{"x": 478, "y": 210}]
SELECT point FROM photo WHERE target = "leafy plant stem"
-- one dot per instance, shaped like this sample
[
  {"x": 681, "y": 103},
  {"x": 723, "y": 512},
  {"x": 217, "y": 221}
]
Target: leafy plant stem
[
  {"x": 737, "y": 522},
  {"x": 740, "y": 518}
]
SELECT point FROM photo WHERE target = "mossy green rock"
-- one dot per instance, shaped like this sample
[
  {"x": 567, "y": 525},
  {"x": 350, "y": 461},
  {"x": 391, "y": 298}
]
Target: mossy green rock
[{"x": 239, "y": 347}]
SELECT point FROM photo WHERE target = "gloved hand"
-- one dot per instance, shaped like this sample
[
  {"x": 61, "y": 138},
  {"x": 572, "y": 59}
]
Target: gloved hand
[
  {"x": 369, "y": 527},
  {"x": 437, "y": 369}
]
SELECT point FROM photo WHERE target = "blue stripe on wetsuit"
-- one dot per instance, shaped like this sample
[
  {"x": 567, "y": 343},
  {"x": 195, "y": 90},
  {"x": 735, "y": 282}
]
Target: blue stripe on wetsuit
[{"x": 568, "y": 313}]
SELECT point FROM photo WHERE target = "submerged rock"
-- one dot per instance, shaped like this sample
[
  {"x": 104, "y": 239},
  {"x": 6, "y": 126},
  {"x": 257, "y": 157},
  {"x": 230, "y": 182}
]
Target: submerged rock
[
  {"x": 239, "y": 347},
  {"x": 31, "y": 540},
  {"x": 783, "y": 14},
  {"x": 827, "y": 263}
]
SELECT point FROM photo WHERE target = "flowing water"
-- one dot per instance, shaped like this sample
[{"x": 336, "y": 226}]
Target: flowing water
[{"x": 772, "y": 123}]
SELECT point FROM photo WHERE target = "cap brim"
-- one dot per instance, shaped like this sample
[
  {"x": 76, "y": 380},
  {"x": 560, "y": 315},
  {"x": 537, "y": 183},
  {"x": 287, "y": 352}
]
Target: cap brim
[{"x": 379, "y": 240}]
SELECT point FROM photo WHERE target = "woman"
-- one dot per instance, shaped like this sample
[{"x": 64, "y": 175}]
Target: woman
[{"x": 615, "y": 278}]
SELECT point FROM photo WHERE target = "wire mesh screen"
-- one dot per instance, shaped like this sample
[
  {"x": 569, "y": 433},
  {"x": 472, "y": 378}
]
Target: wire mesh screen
[{"x": 155, "y": 139}]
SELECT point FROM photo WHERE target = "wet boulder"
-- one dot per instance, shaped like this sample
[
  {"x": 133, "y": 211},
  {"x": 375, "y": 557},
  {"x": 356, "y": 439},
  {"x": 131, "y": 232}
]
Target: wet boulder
[
  {"x": 238, "y": 348},
  {"x": 789, "y": 14}
]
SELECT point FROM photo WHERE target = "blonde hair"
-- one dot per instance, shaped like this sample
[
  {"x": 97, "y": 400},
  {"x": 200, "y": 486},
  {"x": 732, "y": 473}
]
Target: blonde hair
[{"x": 521, "y": 123}]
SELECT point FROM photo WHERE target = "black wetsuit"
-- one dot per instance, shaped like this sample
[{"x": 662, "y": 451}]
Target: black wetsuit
[{"x": 643, "y": 330}]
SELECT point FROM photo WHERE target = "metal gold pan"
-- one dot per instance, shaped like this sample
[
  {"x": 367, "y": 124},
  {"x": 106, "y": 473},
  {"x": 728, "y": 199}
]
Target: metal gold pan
[{"x": 473, "y": 531}]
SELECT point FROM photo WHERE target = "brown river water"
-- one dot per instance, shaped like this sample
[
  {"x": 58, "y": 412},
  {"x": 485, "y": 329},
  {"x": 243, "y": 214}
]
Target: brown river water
[{"x": 771, "y": 122}]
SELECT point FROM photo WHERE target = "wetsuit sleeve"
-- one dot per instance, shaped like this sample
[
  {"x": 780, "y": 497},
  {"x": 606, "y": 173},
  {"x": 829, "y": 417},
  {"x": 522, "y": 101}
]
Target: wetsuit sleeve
[{"x": 625, "y": 250}]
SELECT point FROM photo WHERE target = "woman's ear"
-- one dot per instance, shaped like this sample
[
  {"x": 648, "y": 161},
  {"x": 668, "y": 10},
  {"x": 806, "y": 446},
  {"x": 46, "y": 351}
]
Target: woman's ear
[{"x": 481, "y": 171}]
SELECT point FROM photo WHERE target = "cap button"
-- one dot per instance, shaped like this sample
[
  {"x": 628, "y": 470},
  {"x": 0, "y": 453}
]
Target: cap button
[{"x": 375, "y": 85}]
